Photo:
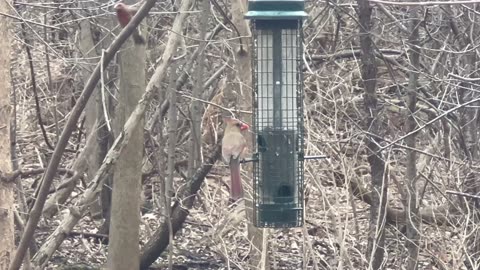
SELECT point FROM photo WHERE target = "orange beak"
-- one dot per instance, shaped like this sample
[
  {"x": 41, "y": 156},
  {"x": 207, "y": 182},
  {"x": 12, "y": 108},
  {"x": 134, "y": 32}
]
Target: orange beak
[{"x": 244, "y": 127}]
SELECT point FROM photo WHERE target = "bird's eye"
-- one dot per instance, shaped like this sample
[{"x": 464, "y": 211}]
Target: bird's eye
[{"x": 238, "y": 124}]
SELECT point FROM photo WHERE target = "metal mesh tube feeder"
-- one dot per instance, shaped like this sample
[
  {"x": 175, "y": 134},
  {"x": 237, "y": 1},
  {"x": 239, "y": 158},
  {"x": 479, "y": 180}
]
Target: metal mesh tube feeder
[{"x": 278, "y": 170}]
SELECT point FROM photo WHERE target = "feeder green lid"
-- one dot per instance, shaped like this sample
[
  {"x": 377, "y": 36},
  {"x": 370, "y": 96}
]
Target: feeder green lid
[{"x": 276, "y": 9}]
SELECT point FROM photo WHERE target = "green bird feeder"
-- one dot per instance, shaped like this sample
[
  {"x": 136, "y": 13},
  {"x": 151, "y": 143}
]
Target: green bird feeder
[{"x": 278, "y": 112}]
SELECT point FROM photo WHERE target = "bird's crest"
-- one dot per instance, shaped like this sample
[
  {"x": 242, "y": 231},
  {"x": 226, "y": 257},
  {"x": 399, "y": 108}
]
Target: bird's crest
[{"x": 230, "y": 121}]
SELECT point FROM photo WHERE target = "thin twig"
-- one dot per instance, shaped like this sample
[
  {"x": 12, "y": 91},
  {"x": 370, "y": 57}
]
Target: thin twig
[
  {"x": 216, "y": 105},
  {"x": 102, "y": 91},
  {"x": 28, "y": 21},
  {"x": 463, "y": 194}
]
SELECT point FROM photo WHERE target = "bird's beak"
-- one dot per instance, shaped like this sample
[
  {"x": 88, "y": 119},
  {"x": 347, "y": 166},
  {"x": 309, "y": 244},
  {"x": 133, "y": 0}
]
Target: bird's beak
[{"x": 244, "y": 127}]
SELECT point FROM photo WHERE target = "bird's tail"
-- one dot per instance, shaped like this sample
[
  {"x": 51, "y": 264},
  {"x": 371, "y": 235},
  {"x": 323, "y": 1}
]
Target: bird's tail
[
  {"x": 137, "y": 37},
  {"x": 236, "y": 190}
]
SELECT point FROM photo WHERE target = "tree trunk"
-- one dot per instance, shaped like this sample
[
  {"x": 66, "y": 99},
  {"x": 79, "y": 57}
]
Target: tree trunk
[
  {"x": 412, "y": 217},
  {"x": 376, "y": 232},
  {"x": 7, "y": 244},
  {"x": 123, "y": 249}
]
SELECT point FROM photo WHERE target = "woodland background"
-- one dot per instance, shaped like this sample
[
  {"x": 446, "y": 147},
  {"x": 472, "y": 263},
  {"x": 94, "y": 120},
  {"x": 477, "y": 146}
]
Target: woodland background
[{"x": 391, "y": 98}]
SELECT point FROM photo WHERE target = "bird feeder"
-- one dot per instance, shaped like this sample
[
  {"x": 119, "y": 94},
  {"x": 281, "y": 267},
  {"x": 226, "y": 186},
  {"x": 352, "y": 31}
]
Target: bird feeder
[{"x": 278, "y": 112}]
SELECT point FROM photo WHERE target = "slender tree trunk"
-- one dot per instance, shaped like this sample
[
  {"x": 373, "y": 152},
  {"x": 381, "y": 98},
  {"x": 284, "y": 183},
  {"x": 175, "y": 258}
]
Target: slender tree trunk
[
  {"x": 124, "y": 251},
  {"x": 196, "y": 109},
  {"x": 7, "y": 244},
  {"x": 412, "y": 218},
  {"x": 171, "y": 146},
  {"x": 376, "y": 232}
]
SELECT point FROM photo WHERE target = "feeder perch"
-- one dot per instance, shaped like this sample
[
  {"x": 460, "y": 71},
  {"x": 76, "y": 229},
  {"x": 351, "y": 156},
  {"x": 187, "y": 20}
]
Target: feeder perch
[{"x": 278, "y": 112}]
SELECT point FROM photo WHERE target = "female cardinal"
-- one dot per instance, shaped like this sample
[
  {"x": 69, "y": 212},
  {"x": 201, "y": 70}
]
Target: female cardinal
[
  {"x": 233, "y": 145},
  {"x": 124, "y": 15}
]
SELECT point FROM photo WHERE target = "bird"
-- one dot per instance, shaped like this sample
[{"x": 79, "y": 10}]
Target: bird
[
  {"x": 233, "y": 147},
  {"x": 124, "y": 15}
]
